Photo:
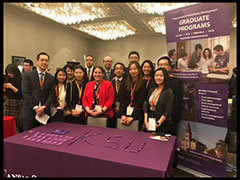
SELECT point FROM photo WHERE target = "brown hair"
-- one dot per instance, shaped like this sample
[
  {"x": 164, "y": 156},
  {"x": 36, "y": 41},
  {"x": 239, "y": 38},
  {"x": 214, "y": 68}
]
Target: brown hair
[{"x": 139, "y": 78}]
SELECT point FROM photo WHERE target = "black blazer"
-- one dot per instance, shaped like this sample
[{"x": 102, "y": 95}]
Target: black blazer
[
  {"x": 164, "y": 104},
  {"x": 138, "y": 99},
  {"x": 32, "y": 93},
  {"x": 71, "y": 104},
  {"x": 176, "y": 86},
  {"x": 85, "y": 72}
]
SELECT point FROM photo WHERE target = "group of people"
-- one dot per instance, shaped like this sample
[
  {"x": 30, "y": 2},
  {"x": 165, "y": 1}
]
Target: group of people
[
  {"x": 202, "y": 59},
  {"x": 134, "y": 93}
]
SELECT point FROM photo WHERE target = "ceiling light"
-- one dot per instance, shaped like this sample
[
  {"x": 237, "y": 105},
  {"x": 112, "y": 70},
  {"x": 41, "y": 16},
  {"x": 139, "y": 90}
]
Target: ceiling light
[
  {"x": 157, "y": 24},
  {"x": 69, "y": 13},
  {"x": 108, "y": 30},
  {"x": 157, "y": 8}
]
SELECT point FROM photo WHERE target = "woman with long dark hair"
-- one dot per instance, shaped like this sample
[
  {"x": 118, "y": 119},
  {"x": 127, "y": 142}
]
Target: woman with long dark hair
[
  {"x": 132, "y": 94},
  {"x": 59, "y": 102},
  {"x": 158, "y": 107},
  {"x": 12, "y": 89}
]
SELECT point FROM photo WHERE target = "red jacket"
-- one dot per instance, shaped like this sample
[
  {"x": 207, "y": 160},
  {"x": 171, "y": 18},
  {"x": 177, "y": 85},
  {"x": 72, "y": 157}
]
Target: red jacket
[{"x": 106, "y": 96}]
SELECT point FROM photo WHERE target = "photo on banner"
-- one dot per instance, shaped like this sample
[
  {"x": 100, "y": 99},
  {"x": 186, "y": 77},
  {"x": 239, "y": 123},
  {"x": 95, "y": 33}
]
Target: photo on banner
[{"x": 200, "y": 35}]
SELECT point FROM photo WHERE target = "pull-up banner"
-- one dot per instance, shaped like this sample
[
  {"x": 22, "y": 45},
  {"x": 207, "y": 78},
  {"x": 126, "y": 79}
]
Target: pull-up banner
[
  {"x": 197, "y": 22},
  {"x": 203, "y": 126}
]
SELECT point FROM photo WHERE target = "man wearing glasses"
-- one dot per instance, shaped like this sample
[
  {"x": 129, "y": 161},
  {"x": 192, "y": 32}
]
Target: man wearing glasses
[{"x": 109, "y": 72}]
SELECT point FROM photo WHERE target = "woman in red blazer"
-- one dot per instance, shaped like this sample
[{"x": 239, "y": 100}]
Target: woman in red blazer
[{"x": 98, "y": 96}]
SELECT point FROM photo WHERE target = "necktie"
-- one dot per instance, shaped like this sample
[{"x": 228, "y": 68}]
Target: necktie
[
  {"x": 41, "y": 76},
  {"x": 108, "y": 75},
  {"x": 89, "y": 74}
]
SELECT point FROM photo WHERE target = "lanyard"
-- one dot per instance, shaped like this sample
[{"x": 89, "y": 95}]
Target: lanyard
[
  {"x": 117, "y": 85},
  {"x": 154, "y": 99},
  {"x": 97, "y": 93},
  {"x": 42, "y": 82},
  {"x": 132, "y": 91},
  {"x": 58, "y": 94},
  {"x": 149, "y": 79},
  {"x": 79, "y": 92}
]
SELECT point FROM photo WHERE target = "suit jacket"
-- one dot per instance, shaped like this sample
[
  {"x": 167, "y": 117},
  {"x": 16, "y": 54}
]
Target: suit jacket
[
  {"x": 91, "y": 75},
  {"x": 138, "y": 99},
  {"x": 32, "y": 93},
  {"x": 176, "y": 86},
  {"x": 164, "y": 104},
  {"x": 106, "y": 96},
  {"x": 111, "y": 75},
  {"x": 75, "y": 94}
]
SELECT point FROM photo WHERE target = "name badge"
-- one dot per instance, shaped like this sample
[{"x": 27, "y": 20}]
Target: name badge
[
  {"x": 78, "y": 107},
  {"x": 98, "y": 107},
  {"x": 152, "y": 124},
  {"x": 117, "y": 104},
  {"x": 129, "y": 110}
]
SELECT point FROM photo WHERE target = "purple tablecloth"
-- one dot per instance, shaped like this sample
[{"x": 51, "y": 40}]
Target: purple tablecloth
[{"x": 99, "y": 152}]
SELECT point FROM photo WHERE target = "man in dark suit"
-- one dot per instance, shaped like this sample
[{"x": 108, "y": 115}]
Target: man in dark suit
[
  {"x": 89, "y": 62},
  {"x": 176, "y": 85},
  {"x": 109, "y": 72},
  {"x": 37, "y": 91}
]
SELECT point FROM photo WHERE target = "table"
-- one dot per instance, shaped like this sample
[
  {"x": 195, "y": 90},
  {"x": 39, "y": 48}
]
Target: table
[
  {"x": 99, "y": 152},
  {"x": 9, "y": 126}
]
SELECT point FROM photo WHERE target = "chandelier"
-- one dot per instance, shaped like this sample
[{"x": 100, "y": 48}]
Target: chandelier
[
  {"x": 108, "y": 30},
  {"x": 157, "y": 8},
  {"x": 157, "y": 24},
  {"x": 69, "y": 13}
]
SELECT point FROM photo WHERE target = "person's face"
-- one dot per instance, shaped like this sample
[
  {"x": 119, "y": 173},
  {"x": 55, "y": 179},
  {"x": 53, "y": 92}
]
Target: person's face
[
  {"x": 218, "y": 53},
  {"x": 10, "y": 74},
  {"x": 163, "y": 63},
  {"x": 199, "y": 51},
  {"x": 89, "y": 61},
  {"x": 27, "y": 67},
  {"x": 159, "y": 78},
  {"x": 61, "y": 76},
  {"x": 133, "y": 57},
  {"x": 146, "y": 69},
  {"x": 119, "y": 70},
  {"x": 98, "y": 74},
  {"x": 69, "y": 73},
  {"x": 207, "y": 53},
  {"x": 43, "y": 62},
  {"x": 174, "y": 56},
  {"x": 78, "y": 74},
  {"x": 107, "y": 62},
  {"x": 133, "y": 71}
]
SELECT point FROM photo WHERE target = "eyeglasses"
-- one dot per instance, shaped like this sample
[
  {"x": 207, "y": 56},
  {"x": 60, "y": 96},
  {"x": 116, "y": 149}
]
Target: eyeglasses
[
  {"x": 107, "y": 61},
  {"x": 164, "y": 64}
]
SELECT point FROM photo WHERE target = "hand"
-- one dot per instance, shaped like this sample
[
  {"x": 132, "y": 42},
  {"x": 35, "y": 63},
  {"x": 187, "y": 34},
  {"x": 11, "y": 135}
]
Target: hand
[
  {"x": 75, "y": 113},
  {"x": 116, "y": 109},
  {"x": 7, "y": 85},
  {"x": 129, "y": 120},
  {"x": 123, "y": 119},
  {"x": 147, "y": 125}
]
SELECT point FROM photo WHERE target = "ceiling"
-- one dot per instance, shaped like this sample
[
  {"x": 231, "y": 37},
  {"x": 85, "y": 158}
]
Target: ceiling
[{"x": 127, "y": 12}]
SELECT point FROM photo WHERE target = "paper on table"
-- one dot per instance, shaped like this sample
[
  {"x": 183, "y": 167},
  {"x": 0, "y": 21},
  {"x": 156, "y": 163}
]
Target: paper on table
[{"x": 43, "y": 119}]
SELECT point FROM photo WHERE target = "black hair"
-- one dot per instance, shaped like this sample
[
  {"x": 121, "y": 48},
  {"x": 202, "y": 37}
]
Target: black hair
[
  {"x": 58, "y": 70},
  {"x": 151, "y": 65},
  {"x": 218, "y": 47},
  {"x": 12, "y": 68},
  {"x": 120, "y": 64},
  {"x": 90, "y": 56},
  {"x": 42, "y": 53},
  {"x": 183, "y": 54},
  {"x": 210, "y": 53},
  {"x": 170, "y": 53},
  {"x": 129, "y": 78},
  {"x": 165, "y": 58},
  {"x": 70, "y": 66},
  {"x": 165, "y": 75},
  {"x": 29, "y": 61},
  {"x": 100, "y": 67},
  {"x": 134, "y": 52},
  {"x": 198, "y": 46}
]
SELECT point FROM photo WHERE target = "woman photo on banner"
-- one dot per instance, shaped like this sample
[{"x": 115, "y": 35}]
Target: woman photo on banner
[
  {"x": 75, "y": 90},
  {"x": 132, "y": 94},
  {"x": 98, "y": 97},
  {"x": 159, "y": 103}
]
